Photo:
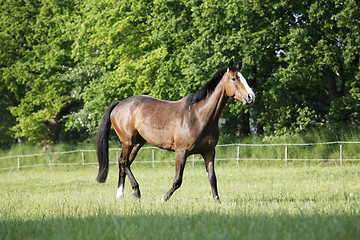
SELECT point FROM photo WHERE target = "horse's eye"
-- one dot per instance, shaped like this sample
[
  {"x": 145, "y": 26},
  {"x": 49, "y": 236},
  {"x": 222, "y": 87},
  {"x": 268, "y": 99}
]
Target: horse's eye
[{"x": 234, "y": 79}]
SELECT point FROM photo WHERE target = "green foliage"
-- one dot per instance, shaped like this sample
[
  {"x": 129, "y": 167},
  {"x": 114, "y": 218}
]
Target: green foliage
[
  {"x": 64, "y": 62},
  {"x": 39, "y": 56},
  {"x": 318, "y": 69}
]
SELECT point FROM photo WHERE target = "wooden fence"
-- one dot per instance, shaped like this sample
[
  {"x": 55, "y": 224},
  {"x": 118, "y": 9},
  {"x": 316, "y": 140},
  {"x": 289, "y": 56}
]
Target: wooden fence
[{"x": 81, "y": 159}]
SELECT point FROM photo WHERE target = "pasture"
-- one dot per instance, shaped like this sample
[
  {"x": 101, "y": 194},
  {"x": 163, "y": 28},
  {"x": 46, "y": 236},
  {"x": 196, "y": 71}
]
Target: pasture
[{"x": 258, "y": 202}]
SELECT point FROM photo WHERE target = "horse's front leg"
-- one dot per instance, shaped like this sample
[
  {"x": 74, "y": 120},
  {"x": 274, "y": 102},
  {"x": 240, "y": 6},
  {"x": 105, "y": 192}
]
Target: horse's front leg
[
  {"x": 209, "y": 158},
  {"x": 180, "y": 160}
]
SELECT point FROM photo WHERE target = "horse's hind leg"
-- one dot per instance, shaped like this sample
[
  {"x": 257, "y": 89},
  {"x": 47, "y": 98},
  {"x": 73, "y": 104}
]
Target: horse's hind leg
[
  {"x": 127, "y": 157},
  {"x": 122, "y": 174}
]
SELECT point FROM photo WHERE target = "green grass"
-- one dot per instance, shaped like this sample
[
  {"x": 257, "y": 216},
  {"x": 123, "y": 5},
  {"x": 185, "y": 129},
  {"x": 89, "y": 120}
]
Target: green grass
[{"x": 273, "y": 202}]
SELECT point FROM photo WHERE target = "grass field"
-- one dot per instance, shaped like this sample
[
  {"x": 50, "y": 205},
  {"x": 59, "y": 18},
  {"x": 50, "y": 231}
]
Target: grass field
[{"x": 258, "y": 202}]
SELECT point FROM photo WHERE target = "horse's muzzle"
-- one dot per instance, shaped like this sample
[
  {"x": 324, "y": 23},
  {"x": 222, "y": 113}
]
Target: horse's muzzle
[{"x": 250, "y": 98}]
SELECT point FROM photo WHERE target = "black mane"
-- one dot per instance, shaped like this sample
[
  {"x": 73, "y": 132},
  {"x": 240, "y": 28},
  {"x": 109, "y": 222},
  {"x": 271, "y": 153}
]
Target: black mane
[{"x": 207, "y": 89}]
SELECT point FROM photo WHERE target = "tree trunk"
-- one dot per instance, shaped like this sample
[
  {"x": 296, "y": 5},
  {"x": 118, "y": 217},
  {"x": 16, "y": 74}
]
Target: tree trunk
[
  {"x": 331, "y": 82},
  {"x": 244, "y": 123}
]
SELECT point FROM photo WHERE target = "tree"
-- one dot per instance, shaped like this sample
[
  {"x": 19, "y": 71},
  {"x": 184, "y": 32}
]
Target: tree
[
  {"x": 64, "y": 62},
  {"x": 37, "y": 55},
  {"x": 119, "y": 41},
  {"x": 319, "y": 59}
]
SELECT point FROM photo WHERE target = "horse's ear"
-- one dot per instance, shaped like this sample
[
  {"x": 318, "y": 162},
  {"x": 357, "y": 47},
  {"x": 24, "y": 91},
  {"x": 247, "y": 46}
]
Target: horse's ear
[
  {"x": 239, "y": 65},
  {"x": 231, "y": 63}
]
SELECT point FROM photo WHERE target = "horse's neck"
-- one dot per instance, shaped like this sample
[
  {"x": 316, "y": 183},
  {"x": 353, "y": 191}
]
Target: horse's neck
[{"x": 211, "y": 108}]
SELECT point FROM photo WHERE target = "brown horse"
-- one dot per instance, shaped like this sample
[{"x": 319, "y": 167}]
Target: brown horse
[{"x": 188, "y": 126}]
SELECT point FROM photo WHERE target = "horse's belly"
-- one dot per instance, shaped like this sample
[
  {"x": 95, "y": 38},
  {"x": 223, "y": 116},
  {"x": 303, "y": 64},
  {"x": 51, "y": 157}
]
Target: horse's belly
[{"x": 159, "y": 138}]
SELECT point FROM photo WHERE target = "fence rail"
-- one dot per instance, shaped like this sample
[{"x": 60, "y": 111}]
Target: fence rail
[{"x": 192, "y": 159}]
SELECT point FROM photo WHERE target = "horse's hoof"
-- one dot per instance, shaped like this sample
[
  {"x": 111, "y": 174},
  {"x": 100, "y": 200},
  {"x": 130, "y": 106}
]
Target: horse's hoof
[
  {"x": 164, "y": 198},
  {"x": 137, "y": 194},
  {"x": 217, "y": 200}
]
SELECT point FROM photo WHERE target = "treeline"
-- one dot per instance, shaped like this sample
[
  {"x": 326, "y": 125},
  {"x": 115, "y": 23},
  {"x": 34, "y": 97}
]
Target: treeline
[{"x": 63, "y": 62}]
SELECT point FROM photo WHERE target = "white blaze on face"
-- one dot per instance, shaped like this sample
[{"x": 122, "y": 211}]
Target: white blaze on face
[{"x": 247, "y": 88}]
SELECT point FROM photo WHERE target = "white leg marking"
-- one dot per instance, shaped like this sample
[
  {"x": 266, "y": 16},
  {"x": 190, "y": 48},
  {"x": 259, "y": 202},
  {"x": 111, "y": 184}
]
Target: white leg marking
[
  {"x": 120, "y": 192},
  {"x": 163, "y": 198}
]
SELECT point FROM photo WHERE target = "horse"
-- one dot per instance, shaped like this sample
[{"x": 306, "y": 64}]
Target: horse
[{"x": 187, "y": 126}]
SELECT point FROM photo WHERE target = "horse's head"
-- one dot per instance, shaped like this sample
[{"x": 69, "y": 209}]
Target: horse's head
[{"x": 236, "y": 85}]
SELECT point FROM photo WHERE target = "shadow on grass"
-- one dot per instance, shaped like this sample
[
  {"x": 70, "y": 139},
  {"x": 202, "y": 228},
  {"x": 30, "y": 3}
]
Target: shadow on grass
[{"x": 203, "y": 225}]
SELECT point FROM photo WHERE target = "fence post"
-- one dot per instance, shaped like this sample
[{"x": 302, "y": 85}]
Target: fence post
[
  {"x": 153, "y": 158},
  {"x": 237, "y": 155},
  {"x": 117, "y": 156},
  {"x": 286, "y": 154},
  {"x": 18, "y": 160},
  {"x": 83, "y": 158},
  {"x": 193, "y": 160},
  {"x": 49, "y": 159},
  {"x": 341, "y": 155}
]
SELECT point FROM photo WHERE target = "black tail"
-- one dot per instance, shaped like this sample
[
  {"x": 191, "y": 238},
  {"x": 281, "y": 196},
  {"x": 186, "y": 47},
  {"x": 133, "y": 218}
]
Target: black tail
[{"x": 103, "y": 144}]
